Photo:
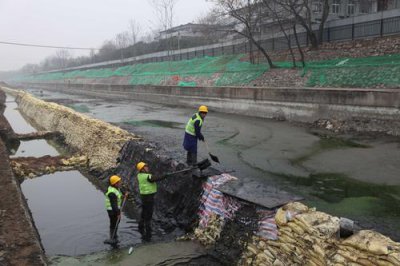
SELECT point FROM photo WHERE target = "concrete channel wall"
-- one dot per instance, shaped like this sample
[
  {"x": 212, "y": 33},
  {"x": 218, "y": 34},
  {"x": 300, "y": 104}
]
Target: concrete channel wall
[
  {"x": 305, "y": 236},
  {"x": 292, "y": 104}
]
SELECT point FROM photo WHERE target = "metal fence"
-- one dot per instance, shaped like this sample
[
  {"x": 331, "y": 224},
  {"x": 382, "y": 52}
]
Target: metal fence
[{"x": 353, "y": 31}]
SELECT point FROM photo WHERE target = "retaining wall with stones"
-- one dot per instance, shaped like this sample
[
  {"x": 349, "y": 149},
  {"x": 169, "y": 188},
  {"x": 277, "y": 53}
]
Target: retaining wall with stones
[{"x": 98, "y": 140}]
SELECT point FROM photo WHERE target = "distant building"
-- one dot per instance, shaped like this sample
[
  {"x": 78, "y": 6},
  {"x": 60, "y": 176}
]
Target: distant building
[
  {"x": 191, "y": 30},
  {"x": 338, "y": 9},
  {"x": 347, "y": 8}
]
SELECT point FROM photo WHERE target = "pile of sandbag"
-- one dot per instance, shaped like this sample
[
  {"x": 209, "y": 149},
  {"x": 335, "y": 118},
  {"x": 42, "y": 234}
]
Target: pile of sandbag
[
  {"x": 309, "y": 237},
  {"x": 210, "y": 234}
]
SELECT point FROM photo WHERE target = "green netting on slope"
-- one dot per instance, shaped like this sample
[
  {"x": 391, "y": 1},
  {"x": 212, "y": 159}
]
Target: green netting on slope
[
  {"x": 356, "y": 72},
  {"x": 230, "y": 69}
]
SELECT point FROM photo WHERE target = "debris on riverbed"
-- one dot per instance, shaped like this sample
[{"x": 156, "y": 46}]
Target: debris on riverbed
[{"x": 30, "y": 167}]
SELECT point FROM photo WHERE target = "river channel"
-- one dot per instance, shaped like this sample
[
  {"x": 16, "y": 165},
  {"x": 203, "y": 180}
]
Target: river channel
[{"x": 353, "y": 176}]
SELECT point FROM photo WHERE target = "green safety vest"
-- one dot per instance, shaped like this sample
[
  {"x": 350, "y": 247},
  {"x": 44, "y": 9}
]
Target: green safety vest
[
  {"x": 146, "y": 187},
  {"x": 190, "y": 124},
  {"x": 117, "y": 193}
]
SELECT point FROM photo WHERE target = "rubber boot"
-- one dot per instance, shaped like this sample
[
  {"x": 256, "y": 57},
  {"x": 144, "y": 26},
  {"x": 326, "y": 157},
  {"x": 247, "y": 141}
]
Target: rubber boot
[
  {"x": 141, "y": 227},
  {"x": 115, "y": 239},
  {"x": 147, "y": 235}
]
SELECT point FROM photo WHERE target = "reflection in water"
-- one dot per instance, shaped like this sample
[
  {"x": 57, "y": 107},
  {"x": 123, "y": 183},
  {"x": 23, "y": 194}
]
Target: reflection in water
[
  {"x": 35, "y": 148},
  {"x": 15, "y": 119},
  {"x": 70, "y": 215}
]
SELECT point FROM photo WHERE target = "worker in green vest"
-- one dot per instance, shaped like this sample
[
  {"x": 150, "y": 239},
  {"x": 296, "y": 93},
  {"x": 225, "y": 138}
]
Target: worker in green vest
[
  {"x": 147, "y": 189},
  {"x": 113, "y": 203},
  {"x": 193, "y": 134}
]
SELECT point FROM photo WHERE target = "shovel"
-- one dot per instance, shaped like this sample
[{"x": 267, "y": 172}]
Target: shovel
[
  {"x": 201, "y": 165},
  {"x": 112, "y": 240},
  {"x": 212, "y": 156}
]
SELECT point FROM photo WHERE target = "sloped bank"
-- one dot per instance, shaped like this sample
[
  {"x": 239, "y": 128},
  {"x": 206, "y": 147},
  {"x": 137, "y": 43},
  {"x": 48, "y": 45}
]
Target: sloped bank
[
  {"x": 19, "y": 239},
  {"x": 298, "y": 236}
]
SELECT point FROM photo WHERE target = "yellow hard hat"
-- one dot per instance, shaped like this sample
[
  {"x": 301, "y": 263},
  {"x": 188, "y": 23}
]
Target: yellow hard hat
[
  {"x": 203, "y": 109},
  {"x": 140, "y": 166},
  {"x": 114, "y": 179}
]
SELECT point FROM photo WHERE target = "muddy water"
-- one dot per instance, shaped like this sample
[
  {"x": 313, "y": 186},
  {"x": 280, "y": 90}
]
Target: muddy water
[
  {"x": 68, "y": 210},
  {"x": 350, "y": 176},
  {"x": 171, "y": 253},
  {"x": 70, "y": 215}
]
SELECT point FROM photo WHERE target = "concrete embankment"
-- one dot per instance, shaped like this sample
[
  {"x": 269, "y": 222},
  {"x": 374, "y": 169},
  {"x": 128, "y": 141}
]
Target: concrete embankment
[
  {"x": 304, "y": 235},
  {"x": 19, "y": 240},
  {"x": 369, "y": 110}
]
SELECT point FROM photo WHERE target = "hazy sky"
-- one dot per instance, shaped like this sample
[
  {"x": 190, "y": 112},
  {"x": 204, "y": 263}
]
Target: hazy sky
[{"x": 76, "y": 23}]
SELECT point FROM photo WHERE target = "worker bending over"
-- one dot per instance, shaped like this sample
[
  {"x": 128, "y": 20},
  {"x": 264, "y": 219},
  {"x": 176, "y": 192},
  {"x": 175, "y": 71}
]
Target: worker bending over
[
  {"x": 113, "y": 204},
  {"x": 193, "y": 134},
  {"x": 147, "y": 189}
]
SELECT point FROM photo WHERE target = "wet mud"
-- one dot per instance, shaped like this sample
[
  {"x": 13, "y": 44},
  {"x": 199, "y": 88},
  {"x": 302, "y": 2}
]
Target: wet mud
[
  {"x": 19, "y": 240},
  {"x": 177, "y": 199},
  {"x": 236, "y": 234},
  {"x": 30, "y": 167}
]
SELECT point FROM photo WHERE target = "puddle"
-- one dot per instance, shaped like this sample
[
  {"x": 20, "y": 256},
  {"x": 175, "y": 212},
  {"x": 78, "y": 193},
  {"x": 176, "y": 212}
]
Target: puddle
[
  {"x": 169, "y": 253},
  {"x": 70, "y": 216},
  {"x": 155, "y": 123},
  {"x": 34, "y": 148}
]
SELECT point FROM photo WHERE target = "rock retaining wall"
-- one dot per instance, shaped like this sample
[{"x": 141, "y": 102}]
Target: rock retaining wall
[{"x": 98, "y": 140}]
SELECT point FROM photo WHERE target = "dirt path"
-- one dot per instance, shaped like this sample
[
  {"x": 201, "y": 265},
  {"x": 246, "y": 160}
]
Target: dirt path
[{"x": 19, "y": 240}]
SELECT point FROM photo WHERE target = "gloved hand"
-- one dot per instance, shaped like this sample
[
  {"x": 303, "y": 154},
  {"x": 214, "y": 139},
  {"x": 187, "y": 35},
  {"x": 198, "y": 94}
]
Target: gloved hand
[{"x": 201, "y": 137}]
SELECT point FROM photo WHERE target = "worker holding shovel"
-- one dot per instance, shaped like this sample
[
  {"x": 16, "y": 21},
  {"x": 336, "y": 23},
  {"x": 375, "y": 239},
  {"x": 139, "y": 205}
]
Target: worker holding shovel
[
  {"x": 114, "y": 202},
  {"x": 147, "y": 189},
  {"x": 193, "y": 133}
]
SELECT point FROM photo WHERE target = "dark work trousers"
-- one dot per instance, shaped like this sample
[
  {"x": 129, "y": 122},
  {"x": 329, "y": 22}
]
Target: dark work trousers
[
  {"x": 191, "y": 158},
  {"x": 113, "y": 223},
  {"x": 147, "y": 214}
]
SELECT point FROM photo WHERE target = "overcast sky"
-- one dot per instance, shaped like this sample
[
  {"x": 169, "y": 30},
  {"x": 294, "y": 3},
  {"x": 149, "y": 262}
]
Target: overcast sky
[{"x": 76, "y": 23}]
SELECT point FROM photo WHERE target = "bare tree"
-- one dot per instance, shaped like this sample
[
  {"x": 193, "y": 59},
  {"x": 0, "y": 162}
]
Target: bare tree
[
  {"x": 164, "y": 10},
  {"x": 324, "y": 17},
  {"x": 248, "y": 15},
  {"x": 134, "y": 32},
  {"x": 107, "y": 50},
  {"x": 278, "y": 15},
  {"x": 62, "y": 57},
  {"x": 301, "y": 10},
  {"x": 121, "y": 42},
  {"x": 213, "y": 26}
]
